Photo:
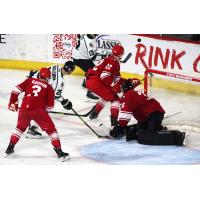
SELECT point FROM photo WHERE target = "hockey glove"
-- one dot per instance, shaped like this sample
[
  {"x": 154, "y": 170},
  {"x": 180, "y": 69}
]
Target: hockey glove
[
  {"x": 117, "y": 132},
  {"x": 66, "y": 104},
  {"x": 13, "y": 106},
  {"x": 135, "y": 82},
  {"x": 117, "y": 88}
]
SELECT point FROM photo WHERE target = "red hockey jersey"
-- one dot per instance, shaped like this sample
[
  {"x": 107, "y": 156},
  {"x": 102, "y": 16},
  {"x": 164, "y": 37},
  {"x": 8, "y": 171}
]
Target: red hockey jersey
[
  {"x": 108, "y": 70},
  {"x": 38, "y": 94},
  {"x": 138, "y": 105}
]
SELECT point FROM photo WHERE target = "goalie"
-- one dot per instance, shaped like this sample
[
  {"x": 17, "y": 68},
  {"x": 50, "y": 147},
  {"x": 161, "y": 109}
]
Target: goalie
[{"x": 149, "y": 114}]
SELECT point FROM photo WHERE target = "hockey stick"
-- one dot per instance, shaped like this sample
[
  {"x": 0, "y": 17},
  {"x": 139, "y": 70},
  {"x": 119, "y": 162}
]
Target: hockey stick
[
  {"x": 72, "y": 114},
  {"x": 172, "y": 115},
  {"x": 127, "y": 58},
  {"x": 86, "y": 124}
]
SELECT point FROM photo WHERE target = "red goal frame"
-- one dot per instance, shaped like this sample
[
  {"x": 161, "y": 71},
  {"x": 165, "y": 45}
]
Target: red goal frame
[{"x": 167, "y": 74}]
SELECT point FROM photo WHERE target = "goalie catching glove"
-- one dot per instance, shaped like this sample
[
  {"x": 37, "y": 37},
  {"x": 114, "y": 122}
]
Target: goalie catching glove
[
  {"x": 13, "y": 106},
  {"x": 66, "y": 104},
  {"x": 130, "y": 84},
  {"x": 135, "y": 82}
]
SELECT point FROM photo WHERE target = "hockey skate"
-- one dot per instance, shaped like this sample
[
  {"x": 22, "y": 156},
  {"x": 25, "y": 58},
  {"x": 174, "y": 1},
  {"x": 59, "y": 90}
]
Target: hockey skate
[
  {"x": 91, "y": 95},
  {"x": 62, "y": 155},
  {"x": 10, "y": 149},
  {"x": 32, "y": 133}
]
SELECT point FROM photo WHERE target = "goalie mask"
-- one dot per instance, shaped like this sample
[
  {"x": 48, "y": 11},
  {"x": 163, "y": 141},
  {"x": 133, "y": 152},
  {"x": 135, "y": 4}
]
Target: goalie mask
[
  {"x": 127, "y": 85},
  {"x": 69, "y": 67}
]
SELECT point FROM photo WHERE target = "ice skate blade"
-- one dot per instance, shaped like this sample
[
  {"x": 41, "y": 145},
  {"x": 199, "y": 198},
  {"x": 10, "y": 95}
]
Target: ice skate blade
[
  {"x": 63, "y": 159},
  {"x": 28, "y": 136},
  {"x": 9, "y": 155}
]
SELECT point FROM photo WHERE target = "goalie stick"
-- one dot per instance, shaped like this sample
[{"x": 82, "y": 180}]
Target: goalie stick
[
  {"x": 172, "y": 115},
  {"x": 73, "y": 114}
]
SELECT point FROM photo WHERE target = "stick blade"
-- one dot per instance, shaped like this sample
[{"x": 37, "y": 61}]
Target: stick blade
[{"x": 127, "y": 58}]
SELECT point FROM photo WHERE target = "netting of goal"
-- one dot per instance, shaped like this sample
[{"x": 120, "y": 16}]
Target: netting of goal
[{"x": 179, "y": 95}]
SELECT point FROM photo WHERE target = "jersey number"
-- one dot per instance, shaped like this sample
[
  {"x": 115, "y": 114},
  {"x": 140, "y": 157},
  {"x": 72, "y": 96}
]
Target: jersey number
[
  {"x": 91, "y": 53},
  {"x": 36, "y": 90},
  {"x": 108, "y": 66}
]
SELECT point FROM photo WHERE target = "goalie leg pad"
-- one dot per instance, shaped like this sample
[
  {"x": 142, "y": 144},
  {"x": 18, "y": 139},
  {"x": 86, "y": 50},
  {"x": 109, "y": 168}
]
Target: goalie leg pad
[{"x": 171, "y": 137}]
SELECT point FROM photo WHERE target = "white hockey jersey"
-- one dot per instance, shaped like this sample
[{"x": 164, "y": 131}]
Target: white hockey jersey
[
  {"x": 56, "y": 81},
  {"x": 86, "y": 48}
]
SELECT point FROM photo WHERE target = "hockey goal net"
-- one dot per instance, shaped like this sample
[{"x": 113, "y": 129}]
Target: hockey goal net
[{"x": 179, "y": 95}]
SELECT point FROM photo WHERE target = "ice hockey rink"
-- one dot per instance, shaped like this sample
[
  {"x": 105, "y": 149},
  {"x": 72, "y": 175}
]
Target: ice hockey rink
[{"x": 82, "y": 144}]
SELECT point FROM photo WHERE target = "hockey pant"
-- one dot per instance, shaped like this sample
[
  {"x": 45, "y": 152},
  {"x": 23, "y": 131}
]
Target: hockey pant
[
  {"x": 42, "y": 118},
  {"x": 105, "y": 93},
  {"x": 84, "y": 64},
  {"x": 153, "y": 122}
]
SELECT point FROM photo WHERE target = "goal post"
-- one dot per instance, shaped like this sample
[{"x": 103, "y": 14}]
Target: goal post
[
  {"x": 173, "y": 81},
  {"x": 177, "y": 93}
]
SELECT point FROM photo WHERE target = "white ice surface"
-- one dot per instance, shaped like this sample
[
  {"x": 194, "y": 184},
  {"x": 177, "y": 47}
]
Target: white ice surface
[{"x": 73, "y": 133}]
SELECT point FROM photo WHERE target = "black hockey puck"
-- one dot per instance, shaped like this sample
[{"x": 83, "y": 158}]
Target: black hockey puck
[{"x": 139, "y": 40}]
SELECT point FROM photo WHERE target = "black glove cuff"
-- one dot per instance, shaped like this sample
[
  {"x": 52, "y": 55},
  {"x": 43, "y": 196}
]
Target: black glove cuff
[{"x": 65, "y": 102}]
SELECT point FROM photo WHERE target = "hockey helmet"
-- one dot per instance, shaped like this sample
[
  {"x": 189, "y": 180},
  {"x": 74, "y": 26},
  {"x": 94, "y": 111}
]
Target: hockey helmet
[
  {"x": 45, "y": 73},
  {"x": 92, "y": 36},
  {"x": 127, "y": 85},
  {"x": 118, "y": 50},
  {"x": 69, "y": 67}
]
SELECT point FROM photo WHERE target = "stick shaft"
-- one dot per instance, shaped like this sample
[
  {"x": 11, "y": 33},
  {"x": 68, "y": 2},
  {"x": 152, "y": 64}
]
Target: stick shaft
[
  {"x": 72, "y": 114},
  {"x": 85, "y": 123}
]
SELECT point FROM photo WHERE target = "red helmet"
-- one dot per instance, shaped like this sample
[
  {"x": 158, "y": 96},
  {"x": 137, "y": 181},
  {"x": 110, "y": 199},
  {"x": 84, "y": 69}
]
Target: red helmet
[
  {"x": 45, "y": 73},
  {"x": 118, "y": 50}
]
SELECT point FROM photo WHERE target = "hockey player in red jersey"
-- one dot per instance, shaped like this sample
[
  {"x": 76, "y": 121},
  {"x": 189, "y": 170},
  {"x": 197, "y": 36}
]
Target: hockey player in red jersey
[
  {"x": 100, "y": 78},
  {"x": 149, "y": 114},
  {"x": 39, "y": 97},
  {"x": 57, "y": 82}
]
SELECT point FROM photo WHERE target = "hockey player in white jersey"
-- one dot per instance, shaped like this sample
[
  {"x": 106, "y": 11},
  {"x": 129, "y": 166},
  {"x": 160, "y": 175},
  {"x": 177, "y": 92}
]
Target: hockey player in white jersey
[
  {"x": 84, "y": 56},
  {"x": 57, "y": 82}
]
